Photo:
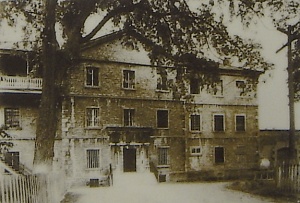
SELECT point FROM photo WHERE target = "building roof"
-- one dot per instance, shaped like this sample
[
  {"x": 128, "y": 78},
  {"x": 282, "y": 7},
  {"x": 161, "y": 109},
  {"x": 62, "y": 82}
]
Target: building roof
[{"x": 111, "y": 37}]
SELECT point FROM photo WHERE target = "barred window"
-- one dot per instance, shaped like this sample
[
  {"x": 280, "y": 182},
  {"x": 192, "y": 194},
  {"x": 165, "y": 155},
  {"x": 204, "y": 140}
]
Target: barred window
[
  {"x": 12, "y": 117},
  {"x": 92, "y": 76},
  {"x": 93, "y": 158},
  {"x": 195, "y": 122},
  {"x": 92, "y": 117},
  {"x": 163, "y": 156},
  {"x": 129, "y": 117},
  {"x": 128, "y": 79}
]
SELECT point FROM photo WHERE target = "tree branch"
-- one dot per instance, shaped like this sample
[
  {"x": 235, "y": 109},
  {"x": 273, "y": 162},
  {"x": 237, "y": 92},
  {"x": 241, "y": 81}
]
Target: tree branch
[{"x": 111, "y": 14}]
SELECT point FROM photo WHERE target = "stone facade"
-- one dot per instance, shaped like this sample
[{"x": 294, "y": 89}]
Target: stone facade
[{"x": 120, "y": 114}]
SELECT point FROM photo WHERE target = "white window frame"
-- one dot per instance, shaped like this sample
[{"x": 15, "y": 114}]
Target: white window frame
[
  {"x": 219, "y": 114},
  {"x": 131, "y": 117},
  {"x": 196, "y": 150},
  {"x": 86, "y": 74},
  {"x": 94, "y": 123},
  {"x": 87, "y": 159},
  {"x": 200, "y": 122},
  {"x": 13, "y": 117},
  {"x": 168, "y": 119},
  {"x": 131, "y": 83},
  {"x": 245, "y": 121}
]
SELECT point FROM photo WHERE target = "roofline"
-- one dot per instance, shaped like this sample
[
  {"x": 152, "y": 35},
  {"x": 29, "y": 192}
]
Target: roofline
[
  {"x": 223, "y": 70},
  {"x": 118, "y": 34}
]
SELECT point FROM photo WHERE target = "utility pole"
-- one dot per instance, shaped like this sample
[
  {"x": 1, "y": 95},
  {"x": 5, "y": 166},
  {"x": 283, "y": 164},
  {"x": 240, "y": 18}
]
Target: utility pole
[{"x": 291, "y": 90}]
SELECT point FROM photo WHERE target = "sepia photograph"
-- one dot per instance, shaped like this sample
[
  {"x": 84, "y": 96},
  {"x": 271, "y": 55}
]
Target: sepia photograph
[{"x": 149, "y": 101}]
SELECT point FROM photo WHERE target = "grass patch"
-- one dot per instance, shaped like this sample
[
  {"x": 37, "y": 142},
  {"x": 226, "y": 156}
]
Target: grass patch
[{"x": 265, "y": 188}]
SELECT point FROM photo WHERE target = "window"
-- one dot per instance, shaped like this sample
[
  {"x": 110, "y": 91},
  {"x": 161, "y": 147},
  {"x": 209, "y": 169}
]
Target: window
[
  {"x": 163, "y": 157},
  {"x": 128, "y": 79},
  {"x": 243, "y": 88},
  {"x": 194, "y": 86},
  {"x": 12, "y": 117},
  {"x": 196, "y": 150},
  {"x": 240, "y": 124},
  {"x": 219, "y": 155},
  {"x": 162, "y": 82},
  {"x": 219, "y": 123},
  {"x": 217, "y": 88},
  {"x": 162, "y": 118},
  {"x": 92, "y": 76},
  {"x": 195, "y": 122},
  {"x": 128, "y": 117},
  {"x": 92, "y": 117},
  {"x": 93, "y": 158}
]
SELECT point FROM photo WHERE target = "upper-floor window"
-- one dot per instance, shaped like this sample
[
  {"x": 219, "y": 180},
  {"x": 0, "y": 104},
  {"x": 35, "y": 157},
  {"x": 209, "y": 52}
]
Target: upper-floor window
[
  {"x": 243, "y": 89},
  {"x": 92, "y": 117},
  {"x": 12, "y": 117},
  {"x": 194, "y": 86},
  {"x": 128, "y": 79},
  {"x": 217, "y": 88},
  {"x": 219, "y": 123},
  {"x": 195, "y": 124},
  {"x": 240, "y": 123},
  {"x": 163, "y": 156},
  {"x": 93, "y": 158},
  {"x": 162, "y": 117},
  {"x": 128, "y": 117},
  {"x": 92, "y": 77},
  {"x": 162, "y": 80}
]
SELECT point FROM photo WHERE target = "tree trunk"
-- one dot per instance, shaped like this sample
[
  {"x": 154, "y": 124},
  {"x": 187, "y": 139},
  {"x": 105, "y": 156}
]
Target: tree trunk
[{"x": 49, "y": 106}]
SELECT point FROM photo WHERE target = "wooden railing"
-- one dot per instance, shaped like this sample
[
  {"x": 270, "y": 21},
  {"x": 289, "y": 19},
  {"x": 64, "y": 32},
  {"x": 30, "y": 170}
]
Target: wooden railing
[
  {"x": 24, "y": 83},
  {"x": 49, "y": 188}
]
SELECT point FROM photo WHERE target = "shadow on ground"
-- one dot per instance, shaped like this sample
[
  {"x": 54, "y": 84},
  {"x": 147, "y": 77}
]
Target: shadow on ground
[
  {"x": 264, "y": 189},
  {"x": 70, "y": 198}
]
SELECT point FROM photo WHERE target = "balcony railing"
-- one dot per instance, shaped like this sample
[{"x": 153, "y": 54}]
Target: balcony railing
[{"x": 20, "y": 83}]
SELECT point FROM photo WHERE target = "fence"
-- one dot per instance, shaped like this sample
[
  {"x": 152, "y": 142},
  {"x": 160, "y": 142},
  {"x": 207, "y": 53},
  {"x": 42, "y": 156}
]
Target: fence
[
  {"x": 288, "y": 177},
  {"x": 32, "y": 188}
]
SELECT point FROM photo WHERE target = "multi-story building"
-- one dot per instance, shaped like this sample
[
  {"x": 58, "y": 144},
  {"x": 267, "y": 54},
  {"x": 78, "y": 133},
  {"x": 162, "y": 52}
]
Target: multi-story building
[
  {"x": 123, "y": 114},
  {"x": 19, "y": 101}
]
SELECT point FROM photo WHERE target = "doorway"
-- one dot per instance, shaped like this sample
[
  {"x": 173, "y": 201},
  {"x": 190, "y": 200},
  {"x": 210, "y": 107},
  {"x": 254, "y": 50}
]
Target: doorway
[
  {"x": 13, "y": 160},
  {"x": 129, "y": 159}
]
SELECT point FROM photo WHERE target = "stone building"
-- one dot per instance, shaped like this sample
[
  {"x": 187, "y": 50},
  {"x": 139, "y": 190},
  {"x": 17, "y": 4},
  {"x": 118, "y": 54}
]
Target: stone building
[{"x": 121, "y": 114}]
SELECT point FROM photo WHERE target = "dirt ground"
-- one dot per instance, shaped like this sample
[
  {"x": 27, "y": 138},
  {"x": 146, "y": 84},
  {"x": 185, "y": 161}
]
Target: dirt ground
[{"x": 137, "y": 188}]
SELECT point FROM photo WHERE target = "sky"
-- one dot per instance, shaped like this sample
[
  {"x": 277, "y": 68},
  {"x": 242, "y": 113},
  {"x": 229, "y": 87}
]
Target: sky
[{"x": 272, "y": 90}]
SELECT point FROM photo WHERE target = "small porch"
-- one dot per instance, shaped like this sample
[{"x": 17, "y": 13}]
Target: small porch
[{"x": 130, "y": 148}]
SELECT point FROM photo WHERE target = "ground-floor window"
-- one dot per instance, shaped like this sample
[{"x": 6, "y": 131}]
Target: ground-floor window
[
  {"x": 219, "y": 155},
  {"x": 93, "y": 158},
  {"x": 163, "y": 156},
  {"x": 196, "y": 150}
]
